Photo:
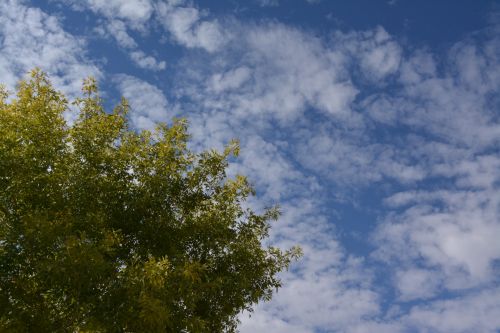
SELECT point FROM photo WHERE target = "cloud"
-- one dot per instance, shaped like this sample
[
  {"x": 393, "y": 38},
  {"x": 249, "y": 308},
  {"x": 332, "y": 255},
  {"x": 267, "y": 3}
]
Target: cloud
[
  {"x": 121, "y": 17},
  {"x": 350, "y": 158},
  {"x": 269, "y": 89},
  {"x": 148, "y": 103},
  {"x": 118, "y": 30},
  {"x": 455, "y": 242},
  {"x": 229, "y": 80},
  {"x": 132, "y": 10},
  {"x": 326, "y": 289},
  {"x": 442, "y": 236},
  {"x": 317, "y": 115},
  {"x": 268, "y": 3},
  {"x": 377, "y": 53},
  {"x": 183, "y": 22},
  {"x": 293, "y": 100},
  {"x": 453, "y": 104},
  {"x": 477, "y": 312},
  {"x": 293, "y": 71},
  {"x": 147, "y": 62},
  {"x": 414, "y": 283},
  {"x": 31, "y": 38},
  {"x": 136, "y": 12},
  {"x": 187, "y": 26},
  {"x": 260, "y": 89},
  {"x": 281, "y": 73}
]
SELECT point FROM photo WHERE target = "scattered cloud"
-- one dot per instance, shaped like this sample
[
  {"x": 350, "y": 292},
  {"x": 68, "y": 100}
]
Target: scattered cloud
[
  {"x": 121, "y": 17},
  {"x": 476, "y": 312},
  {"x": 317, "y": 114},
  {"x": 187, "y": 26},
  {"x": 282, "y": 72},
  {"x": 446, "y": 235},
  {"x": 268, "y": 3},
  {"x": 135, "y": 12},
  {"x": 431, "y": 242},
  {"x": 327, "y": 289},
  {"x": 376, "y": 52},
  {"x": 31, "y": 38},
  {"x": 148, "y": 103},
  {"x": 147, "y": 62}
]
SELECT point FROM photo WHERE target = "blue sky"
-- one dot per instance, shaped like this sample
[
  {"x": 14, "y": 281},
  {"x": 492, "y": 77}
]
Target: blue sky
[{"x": 374, "y": 124}]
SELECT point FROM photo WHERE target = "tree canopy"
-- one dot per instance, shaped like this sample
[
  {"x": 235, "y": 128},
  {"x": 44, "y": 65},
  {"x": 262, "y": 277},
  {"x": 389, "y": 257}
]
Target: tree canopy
[{"x": 107, "y": 229}]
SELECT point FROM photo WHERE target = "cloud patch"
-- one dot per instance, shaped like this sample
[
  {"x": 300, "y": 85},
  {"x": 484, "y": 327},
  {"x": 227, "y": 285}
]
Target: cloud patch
[
  {"x": 32, "y": 38},
  {"x": 148, "y": 103}
]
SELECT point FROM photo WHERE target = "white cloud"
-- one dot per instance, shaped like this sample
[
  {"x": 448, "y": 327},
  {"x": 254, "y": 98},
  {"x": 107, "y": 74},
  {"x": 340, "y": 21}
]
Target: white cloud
[
  {"x": 282, "y": 72},
  {"x": 274, "y": 86},
  {"x": 31, "y": 38},
  {"x": 135, "y": 12},
  {"x": 456, "y": 243},
  {"x": 419, "y": 66},
  {"x": 433, "y": 240},
  {"x": 291, "y": 98},
  {"x": 477, "y": 312},
  {"x": 283, "y": 75},
  {"x": 147, "y": 62},
  {"x": 350, "y": 158},
  {"x": 230, "y": 80},
  {"x": 326, "y": 289},
  {"x": 187, "y": 26},
  {"x": 118, "y": 30},
  {"x": 148, "y": 104},
  {"x": 377, "y": 53},
  {"x": 452, "y": 104},
  {"x": 268, "y": 3},
  {"x": 416, "y": 283},
  {"x": 270, "y": 170},
  {"x": 445, "y": 236},
  {"x": 182, "y": 21},
  {"x": 185, "y": 23},
  {"x": 293, "y": 70},
  {"x": 121, "y": 17},
  {"x": 262, "y": 322}
]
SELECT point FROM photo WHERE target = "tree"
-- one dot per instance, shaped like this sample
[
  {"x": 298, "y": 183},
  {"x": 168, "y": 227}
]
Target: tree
[{"x": 105, "y": 229}]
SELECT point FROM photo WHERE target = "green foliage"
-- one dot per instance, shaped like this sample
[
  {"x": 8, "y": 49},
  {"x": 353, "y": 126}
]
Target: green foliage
[{"x": 103, "y": 229}]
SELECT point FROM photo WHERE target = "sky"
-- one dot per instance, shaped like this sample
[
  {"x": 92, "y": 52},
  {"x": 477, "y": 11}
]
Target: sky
[{"x": 374, "y": 124}]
